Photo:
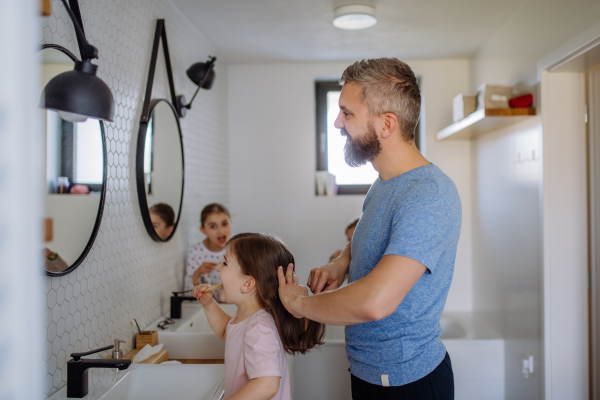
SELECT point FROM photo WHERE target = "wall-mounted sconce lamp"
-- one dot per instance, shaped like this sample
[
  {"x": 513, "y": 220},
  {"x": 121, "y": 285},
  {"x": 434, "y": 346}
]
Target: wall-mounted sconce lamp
[
  {"x": 79, "y": 94},
  {"x": 203, "y": 75}
]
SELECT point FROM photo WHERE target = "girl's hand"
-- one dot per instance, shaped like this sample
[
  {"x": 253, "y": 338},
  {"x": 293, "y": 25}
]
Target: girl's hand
[
  {"x": 203, "y": 298},
  {"x": 205, "y": 268}
]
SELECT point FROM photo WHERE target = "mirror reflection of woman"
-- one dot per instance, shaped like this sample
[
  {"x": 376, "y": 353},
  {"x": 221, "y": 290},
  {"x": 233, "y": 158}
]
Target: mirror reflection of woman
[{"x": 163, "y": 219}]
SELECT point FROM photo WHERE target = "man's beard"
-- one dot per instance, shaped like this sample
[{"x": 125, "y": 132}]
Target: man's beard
[{"x": 357, "y": 152}]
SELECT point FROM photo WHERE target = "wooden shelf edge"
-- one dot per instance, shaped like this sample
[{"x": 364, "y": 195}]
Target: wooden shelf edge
[
  {"x": 157, "y": 358},
  {"x": 469, "y": 124},
  {"x": 46, "y": 8},
  {"x": 198, "y": 361},
  {"x": 509, "y": 112}
]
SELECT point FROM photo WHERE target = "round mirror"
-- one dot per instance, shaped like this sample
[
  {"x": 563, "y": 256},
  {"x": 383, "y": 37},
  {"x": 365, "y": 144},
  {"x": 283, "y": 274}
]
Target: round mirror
[
  {"x": 160, "y": 171},
  {"x": 75, "y": 177}
]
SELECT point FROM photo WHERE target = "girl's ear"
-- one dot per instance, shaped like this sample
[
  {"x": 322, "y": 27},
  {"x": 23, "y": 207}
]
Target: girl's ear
[
  {"x": 203, "y": 230},
  {"x": 248, "y": 285}
]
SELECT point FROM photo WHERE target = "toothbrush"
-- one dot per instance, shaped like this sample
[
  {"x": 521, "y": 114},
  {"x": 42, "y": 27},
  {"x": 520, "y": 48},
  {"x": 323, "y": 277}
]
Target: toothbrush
[
  {"x": 213, "y": 288},
  {"x": 133, "y": 321},
  {"x": 218, "y": 285}
]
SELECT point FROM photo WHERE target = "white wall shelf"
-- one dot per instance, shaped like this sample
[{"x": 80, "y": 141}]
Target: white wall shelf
[{"x": 483, "y": 121}]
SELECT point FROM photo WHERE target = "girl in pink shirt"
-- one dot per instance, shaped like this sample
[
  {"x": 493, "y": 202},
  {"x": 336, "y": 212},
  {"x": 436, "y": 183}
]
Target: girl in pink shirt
[{"x": 260, "y": 334}]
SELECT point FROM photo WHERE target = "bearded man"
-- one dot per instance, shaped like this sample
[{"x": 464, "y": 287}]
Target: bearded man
[{"x": 401, "y": 258}]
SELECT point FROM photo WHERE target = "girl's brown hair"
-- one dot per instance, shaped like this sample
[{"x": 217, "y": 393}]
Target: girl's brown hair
[
  {"x": 165, "y": 212},
  {"x": 352, "y": 224},
  {"x": 259, "y": 256},
  {"x": 213, "y": 208}
]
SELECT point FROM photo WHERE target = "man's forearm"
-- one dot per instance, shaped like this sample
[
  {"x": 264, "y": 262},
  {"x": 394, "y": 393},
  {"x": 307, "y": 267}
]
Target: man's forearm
[
  {"x": 371, "y": 298},
  {"x": 344, "y": 306}
]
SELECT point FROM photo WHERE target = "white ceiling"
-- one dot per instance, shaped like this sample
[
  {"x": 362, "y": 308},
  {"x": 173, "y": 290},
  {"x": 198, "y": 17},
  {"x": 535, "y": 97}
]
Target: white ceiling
[{"x": 254, "y": 31}]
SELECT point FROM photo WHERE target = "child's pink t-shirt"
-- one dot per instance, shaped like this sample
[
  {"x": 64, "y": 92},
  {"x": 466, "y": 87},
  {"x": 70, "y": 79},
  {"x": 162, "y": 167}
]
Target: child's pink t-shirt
[{"x": 253, "y": 349}]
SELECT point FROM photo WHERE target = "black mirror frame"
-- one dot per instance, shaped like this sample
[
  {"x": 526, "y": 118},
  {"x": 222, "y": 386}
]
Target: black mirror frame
[
  {"x": 147, "y": 110},
  {"x": 94, "y": 234},
  {"x": 139, "y": 173}
]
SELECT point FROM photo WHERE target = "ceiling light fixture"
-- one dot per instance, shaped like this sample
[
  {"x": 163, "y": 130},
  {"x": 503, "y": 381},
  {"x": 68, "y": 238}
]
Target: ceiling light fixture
[{"x": 354, "y": 16}]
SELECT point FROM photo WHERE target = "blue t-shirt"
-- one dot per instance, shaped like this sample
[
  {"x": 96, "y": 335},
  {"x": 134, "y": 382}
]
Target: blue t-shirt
[{"x": 417, "y": 215}]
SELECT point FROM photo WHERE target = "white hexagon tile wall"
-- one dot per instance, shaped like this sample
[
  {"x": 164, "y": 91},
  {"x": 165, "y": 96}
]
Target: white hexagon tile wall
[{"x": 127, "y": 275}]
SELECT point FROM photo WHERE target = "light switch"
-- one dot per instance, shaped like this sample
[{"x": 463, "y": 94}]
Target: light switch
[{"x": 528, "y": 367}]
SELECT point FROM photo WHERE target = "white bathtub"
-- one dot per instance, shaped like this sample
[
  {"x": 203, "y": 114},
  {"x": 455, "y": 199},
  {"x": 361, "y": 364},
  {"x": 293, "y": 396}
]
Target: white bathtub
[
  {"x": 475, "y": 347},
  {"x": 322, "y": 373},
  {"x": 476, "y": 351},
  {"x": 477, "y": 355}
]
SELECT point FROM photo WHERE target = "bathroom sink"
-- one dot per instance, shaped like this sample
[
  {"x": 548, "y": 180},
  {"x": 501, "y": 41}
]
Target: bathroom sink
[
  {"x": 148, "y": 382},
  {"x": 191, "y": 337}
]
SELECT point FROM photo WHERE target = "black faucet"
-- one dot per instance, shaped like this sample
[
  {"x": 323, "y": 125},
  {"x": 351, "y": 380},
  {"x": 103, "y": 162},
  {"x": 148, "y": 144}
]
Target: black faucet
[
  {"x": 176, "y": 301},
  {"x": 77, "y": 370}
]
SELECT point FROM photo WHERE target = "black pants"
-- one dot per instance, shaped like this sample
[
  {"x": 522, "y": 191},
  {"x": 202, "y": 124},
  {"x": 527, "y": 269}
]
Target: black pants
[{"x": 438, "y": 385}]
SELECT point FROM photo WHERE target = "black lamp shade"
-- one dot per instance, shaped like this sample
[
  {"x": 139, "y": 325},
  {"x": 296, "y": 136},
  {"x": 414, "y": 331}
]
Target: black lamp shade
[
  {"x": 80, "y": 92},
  {"x": 197, "y": 73}
]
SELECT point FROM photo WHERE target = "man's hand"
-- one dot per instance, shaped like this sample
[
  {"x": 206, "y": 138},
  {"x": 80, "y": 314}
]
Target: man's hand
[
  {"x": 331, "y": 276},
  {"x": 290, "y": 290},
  {"x": 205, "y": 268},
  {"x": 326, "y": 278}
]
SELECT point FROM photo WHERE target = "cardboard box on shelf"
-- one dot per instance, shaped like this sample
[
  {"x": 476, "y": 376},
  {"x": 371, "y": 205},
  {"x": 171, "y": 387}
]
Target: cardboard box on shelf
[
  {"x": 463, "y": 105},
  {"x": 493, "y": 96}
]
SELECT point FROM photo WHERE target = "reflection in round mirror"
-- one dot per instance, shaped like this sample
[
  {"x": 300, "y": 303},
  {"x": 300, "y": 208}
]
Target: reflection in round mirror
[
  {"x": 74, "y": 180},
  {"x": 159, "y": 170}
]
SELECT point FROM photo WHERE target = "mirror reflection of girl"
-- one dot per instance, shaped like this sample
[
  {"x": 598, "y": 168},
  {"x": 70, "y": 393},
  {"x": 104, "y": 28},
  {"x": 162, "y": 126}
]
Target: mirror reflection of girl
[
  {"x": 215, "y": 223},
  {"x": 163, "y": 219},
  {"x": 260, "y": 334},
  {"x": 349, "y": 233}
]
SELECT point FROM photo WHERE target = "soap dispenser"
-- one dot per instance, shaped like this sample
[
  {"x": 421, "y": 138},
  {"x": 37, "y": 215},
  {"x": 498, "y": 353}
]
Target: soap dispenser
[{"x": 117, "y": 352}]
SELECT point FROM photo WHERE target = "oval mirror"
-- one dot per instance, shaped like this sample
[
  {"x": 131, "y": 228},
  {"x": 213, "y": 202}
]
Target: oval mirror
[
  {"x": 160, "y": 170},
  {"x": 75, "y": 161}
]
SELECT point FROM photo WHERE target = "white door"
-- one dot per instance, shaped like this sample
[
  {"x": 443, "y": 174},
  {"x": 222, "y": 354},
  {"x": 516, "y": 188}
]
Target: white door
[{"x": 593, "y": 77}]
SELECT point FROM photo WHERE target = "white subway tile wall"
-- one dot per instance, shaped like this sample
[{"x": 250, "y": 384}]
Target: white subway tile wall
[{"x": 127, "y": 275}]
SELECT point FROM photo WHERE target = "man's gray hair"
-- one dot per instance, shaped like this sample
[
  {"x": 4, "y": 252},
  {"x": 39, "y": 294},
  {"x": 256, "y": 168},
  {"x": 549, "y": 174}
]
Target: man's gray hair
[{"x": 388, "y": 86}]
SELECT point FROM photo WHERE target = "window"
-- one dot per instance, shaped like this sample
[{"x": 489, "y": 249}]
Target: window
[
  {"x": 88, "y": 154},
  {"x": 149, "y": 156},
  {"x": 74, "y": 151},
  {"x": 330, "y": 143}
]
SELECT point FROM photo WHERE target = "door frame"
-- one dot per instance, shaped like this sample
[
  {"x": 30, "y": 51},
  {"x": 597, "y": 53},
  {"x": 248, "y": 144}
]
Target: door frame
[{"x": 565, "y": 217}]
